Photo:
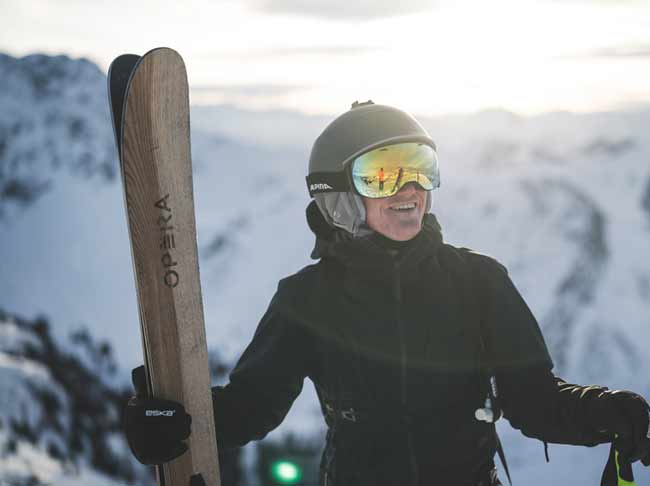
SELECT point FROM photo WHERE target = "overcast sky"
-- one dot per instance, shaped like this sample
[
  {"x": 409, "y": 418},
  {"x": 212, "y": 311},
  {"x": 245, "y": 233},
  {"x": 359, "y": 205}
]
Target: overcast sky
[{"x": 427, "y": 56}]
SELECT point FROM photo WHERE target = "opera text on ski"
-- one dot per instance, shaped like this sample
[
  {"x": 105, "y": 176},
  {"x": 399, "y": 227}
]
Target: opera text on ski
[{"x": 167, "y": 243}]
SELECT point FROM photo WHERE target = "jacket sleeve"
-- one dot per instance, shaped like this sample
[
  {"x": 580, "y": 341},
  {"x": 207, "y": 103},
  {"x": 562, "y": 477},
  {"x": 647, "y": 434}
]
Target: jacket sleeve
[
  {"x": 533, "y": 399},
  {"x": 545, "y": 407},
  {"x": 264, "y": 383}
]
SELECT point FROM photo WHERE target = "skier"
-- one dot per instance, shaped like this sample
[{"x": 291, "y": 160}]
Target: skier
[{"x": 415, "y": 347}]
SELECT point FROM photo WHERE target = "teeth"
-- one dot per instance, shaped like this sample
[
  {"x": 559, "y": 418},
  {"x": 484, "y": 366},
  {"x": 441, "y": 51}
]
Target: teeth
[{"x": 403, "y": 206}]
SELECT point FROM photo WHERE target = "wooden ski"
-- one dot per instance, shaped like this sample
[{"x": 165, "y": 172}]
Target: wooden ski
[{"x": 152, "y": 132}]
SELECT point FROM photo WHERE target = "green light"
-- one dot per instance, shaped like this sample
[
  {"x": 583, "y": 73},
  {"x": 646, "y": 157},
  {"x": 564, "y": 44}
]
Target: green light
[{"x": 286, "y": 472}]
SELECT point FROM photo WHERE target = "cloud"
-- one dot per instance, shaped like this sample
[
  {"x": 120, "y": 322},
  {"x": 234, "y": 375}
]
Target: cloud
[
  {"x": 623, "y": 52},
  {"x": 602, "y": 3},
  {"x": 288, "y": 52},
  {"x": 316, "y": 51},
  {"x": 245, "y": 90},
  {"x": 617, "y": 52},
  {"x": 251, "y": 96},
  {"x": 344, "y": 9}
]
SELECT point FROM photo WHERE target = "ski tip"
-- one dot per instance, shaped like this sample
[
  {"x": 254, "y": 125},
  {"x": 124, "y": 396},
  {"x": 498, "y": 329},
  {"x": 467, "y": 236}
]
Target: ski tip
[
  {"x": 123, "y": 57},
  {"x": 122, "y": 63},
  {"x": 120, "y": 69},
  {"x": 165, "y": 52},
  {"x": 119, "y": 73}
]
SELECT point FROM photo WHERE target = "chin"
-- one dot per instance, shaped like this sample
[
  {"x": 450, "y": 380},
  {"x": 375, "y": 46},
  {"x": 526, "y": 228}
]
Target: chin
[
  {"x": 406, "y": 238},
  {"x": 405, "y": 235}
]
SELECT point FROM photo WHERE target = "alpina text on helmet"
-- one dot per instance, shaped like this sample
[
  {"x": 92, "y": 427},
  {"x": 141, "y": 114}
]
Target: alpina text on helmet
[{"x": 321, "y": 186}]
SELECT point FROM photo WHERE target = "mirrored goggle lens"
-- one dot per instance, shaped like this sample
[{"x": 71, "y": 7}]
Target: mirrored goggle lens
[{"x": 384, "y": 171}]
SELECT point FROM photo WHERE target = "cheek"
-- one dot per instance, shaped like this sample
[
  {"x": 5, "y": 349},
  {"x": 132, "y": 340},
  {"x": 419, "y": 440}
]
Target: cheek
[
  {"x": 372, "y": 208},
  {"x": 369, "y": 210},
  {"x": 374, "y": 212},
  {"x": 423, "y": 202}
]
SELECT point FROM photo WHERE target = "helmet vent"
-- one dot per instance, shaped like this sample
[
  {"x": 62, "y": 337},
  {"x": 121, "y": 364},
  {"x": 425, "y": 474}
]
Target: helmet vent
[{"x": 357, "y": 104}]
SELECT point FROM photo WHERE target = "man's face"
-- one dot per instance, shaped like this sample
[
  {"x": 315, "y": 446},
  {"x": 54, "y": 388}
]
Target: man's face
[{"x": 384, "y": 215}]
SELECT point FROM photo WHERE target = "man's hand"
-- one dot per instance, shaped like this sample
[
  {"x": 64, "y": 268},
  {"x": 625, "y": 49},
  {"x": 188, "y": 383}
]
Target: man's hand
[
  {"x": 628, "y": 416},
  {"x": 155, "y": 428}
]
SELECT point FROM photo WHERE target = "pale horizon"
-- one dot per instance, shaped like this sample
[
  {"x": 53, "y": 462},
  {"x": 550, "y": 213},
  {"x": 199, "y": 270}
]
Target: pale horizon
[{"x": 431, "y": 58}]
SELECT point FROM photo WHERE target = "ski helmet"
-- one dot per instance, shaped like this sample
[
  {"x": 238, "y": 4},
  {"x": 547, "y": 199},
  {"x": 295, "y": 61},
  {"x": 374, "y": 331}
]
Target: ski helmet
[{"x": 364, "y": 127}]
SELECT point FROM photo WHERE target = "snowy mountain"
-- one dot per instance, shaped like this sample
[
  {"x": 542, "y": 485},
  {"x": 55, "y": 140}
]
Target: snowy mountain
[
  {"x": 52, "y": 111},
  {"x": 59, "y": 410},
  {"x": 562, "y": 199}
]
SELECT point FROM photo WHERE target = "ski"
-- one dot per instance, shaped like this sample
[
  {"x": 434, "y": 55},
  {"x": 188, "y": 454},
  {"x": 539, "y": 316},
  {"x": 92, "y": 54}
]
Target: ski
[
  {"x": 149, "y": 103},
  {"x": 119, "y": 73},
  {"x": 118, "y": 78}
]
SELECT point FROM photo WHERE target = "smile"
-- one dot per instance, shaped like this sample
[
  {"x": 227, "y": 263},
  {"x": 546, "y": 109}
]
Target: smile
[{"x": 403, "y": 206}]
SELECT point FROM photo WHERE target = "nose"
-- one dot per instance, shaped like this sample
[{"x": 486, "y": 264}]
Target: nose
[{"x": 408, "y": 189}]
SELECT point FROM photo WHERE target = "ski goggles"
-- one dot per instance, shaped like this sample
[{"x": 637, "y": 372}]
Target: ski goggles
[{"x": 382, "y": 172}]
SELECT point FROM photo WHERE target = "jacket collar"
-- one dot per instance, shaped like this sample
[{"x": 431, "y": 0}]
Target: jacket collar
[{"x": 374, "y": 254}]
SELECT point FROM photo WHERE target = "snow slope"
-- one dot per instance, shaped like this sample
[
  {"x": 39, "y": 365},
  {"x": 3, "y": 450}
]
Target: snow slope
[
  {"x": 563, "y": 200},
  {"x": 59, "y": 410}
]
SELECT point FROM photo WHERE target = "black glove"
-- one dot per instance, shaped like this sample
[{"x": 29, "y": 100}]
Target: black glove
[
  {"x": 154, "y": 428},
  {"x": 627, "y": 416}
]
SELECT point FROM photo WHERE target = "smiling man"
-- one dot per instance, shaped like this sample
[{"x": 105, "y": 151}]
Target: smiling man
[{"x": 415, "y": 347}]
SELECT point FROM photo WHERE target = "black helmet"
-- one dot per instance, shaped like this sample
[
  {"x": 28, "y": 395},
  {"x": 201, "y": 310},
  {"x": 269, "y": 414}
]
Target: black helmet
[{"x": 362, "y": 128}]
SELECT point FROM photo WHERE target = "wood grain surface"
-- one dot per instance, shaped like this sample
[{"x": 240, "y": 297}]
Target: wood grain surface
[{"x": 157, "y": 176}]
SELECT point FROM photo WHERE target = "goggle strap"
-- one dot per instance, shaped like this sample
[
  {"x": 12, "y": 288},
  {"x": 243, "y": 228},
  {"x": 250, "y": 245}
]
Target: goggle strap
[{"x": 324, "y": 182}]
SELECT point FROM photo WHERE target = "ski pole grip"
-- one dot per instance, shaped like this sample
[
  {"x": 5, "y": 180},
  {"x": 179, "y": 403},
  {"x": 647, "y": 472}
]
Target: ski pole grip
[{"x": 139, "y": 379}]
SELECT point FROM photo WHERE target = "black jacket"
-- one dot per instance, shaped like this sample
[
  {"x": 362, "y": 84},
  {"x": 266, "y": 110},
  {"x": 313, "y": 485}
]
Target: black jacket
[{"x": 390, "y": 334}]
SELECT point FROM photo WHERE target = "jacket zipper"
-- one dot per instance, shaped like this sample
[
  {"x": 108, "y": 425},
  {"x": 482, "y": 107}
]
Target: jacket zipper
[{"x": 397, "y": 293}]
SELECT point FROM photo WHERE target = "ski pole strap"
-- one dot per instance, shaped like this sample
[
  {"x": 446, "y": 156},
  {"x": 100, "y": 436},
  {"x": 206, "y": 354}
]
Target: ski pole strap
[
  {"x": 502, "y": 457},
  {"x": 494, "y": 397},
  {"x": 546, "y": 452},
  {"x": 618, "y": 472}
]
